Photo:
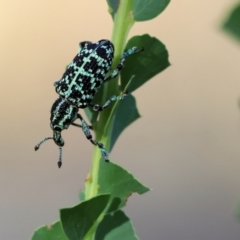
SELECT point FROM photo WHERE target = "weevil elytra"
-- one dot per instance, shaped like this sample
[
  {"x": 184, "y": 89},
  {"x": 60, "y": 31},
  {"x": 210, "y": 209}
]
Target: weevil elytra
[{"x": 78, "y": 86}]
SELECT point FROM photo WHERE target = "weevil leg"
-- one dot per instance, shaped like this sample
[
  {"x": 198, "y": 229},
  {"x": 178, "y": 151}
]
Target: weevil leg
[
  {"x": 88, "y": 135},
  {"x": 116, "y": 71},
  {"x": 79, "y": 125},
  {"x": 97, "y": 107}
]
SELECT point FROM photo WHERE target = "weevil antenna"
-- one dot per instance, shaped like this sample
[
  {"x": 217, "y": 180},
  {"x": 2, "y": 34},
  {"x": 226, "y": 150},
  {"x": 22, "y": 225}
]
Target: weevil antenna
[
  {"x": 39, "y": 144},
  {"x": 59, "y": 163}
]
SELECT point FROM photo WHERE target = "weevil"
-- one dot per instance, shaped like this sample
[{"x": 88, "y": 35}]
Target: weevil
[{"x": 78, "y": 86}]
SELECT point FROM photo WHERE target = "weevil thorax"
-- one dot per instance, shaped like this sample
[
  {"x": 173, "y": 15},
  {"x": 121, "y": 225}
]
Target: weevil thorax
[
  {"x": 86, "y": 73},
  {"x": 62, "y": 115}
]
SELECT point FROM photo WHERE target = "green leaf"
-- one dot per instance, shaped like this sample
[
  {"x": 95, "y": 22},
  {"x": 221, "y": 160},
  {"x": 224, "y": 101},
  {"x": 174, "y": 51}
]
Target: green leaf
[
  {"x": 91, "y": 115},
  {"x": 148, "y": 9},
  {"x": 119, "y": 182},
  {"x": 113, "y": 5},
  {"x": 82, "y": 195},
  {"x": 126, "y": 113},
  {"x": 54, "y": 231},
  {"x": 232, "y": 24},
  {"x": 146, "y": 64},
  {"x": 78, "y": 220},
  {"x": 141, "y": 10},
  {"x": 115, "y": 226}
]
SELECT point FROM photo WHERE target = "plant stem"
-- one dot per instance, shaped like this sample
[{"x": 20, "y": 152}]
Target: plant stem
[{"x": 123, "y": 22}]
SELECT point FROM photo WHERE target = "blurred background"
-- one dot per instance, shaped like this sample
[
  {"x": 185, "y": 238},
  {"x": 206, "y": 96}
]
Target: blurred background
[{"x": 185, "y": 147}]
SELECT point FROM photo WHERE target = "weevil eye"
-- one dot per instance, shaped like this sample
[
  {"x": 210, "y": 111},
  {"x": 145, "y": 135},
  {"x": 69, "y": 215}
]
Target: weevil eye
[
  {"x": 56, "y": 128},
  {"x": 84, "y": 44}
]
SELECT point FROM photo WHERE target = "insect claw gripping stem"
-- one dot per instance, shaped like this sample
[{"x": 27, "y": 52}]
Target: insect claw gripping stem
[
  {"x": 77, "y": 87},
  {"x": 124, "y": 95},
  {"x": 103, "y": 150}
]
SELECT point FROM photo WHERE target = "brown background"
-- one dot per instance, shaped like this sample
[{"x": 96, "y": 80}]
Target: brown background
[{"x": 185, "y": 146}]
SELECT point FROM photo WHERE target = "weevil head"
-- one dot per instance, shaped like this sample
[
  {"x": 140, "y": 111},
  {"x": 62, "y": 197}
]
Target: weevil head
[{"x": 62, "y": 115}]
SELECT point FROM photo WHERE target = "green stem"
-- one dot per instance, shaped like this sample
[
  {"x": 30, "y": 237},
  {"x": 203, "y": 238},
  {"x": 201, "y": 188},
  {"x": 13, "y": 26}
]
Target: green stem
[
  {"x": 91, "y": 183},
  {"x": 123, "y": 22}
]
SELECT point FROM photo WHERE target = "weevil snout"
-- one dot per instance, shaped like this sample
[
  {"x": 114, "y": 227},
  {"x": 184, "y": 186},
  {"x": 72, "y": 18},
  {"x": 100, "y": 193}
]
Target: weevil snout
[{"x": 57, "y": 137}]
